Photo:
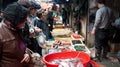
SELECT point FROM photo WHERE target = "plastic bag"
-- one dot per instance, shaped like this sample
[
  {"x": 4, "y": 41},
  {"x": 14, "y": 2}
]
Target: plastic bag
[
  {"x": 35, "y": 59},
  {"x": 117, "y": 23},
  {"x": 41, "y": 39}
]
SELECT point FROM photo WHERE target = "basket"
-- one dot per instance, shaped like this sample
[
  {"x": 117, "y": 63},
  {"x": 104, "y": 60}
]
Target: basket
[{"x": 65, "y": 55}]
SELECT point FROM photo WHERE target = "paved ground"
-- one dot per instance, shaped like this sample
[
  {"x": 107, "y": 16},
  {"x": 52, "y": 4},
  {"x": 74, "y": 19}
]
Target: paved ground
[
  {"x": 112, "y": 62},
  {"x": 109, "y": 63}
]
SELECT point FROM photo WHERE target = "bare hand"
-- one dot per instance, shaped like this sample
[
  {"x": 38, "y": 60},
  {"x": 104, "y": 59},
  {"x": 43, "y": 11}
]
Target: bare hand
[
  {"x": 38, "y": 29},
  {"x": 93, "y": 31},
  {"x": 26, "y": 58}
]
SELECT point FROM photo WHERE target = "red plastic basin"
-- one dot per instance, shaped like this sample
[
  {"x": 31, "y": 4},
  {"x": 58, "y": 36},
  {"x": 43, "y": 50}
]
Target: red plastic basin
[{"x": 65, "y": 55}]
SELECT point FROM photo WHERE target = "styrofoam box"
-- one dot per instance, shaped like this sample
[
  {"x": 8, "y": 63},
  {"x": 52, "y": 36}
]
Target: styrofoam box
[{"x": 82, "y": 44}]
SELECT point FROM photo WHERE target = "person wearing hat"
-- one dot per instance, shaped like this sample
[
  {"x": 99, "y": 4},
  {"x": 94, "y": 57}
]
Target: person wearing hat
[
  {"x": 29, "y": 28},
  {"x": 29, "y": 3},
  {"x": 12, "y": 46}
]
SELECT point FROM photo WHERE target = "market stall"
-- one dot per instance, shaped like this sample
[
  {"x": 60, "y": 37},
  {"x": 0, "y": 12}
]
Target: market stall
[{"x": 67, "y": 46}]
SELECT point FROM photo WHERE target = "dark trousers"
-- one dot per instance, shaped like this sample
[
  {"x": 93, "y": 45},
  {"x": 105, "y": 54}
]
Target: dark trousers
[
  {"x": 51, "y": 25},
  {"x": 101, "y": 42},
  {"x": 64, "y": 21}
]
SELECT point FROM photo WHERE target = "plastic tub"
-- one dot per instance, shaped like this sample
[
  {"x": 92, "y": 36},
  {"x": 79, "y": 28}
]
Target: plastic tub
[
  {"x": 92, "y": 64},
  {"x": 66, "y": 55}
]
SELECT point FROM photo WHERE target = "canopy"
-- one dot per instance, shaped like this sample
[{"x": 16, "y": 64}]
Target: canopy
[{"x": 61, "y": 1}]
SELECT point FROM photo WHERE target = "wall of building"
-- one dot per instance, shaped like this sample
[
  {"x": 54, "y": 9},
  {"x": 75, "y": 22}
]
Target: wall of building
[{"x": 115, "y": 6}]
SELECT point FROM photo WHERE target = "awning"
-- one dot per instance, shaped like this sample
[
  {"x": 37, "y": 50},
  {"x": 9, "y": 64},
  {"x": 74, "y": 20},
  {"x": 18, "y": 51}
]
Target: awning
[{"x": 61, "y": 1}]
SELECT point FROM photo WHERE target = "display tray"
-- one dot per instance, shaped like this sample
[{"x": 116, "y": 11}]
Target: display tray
[
  {"x": 81, "y": 38},
  {"x": 81, "y": 47},
  {"x": 76, "y": 42},
  {"x": 58, "y": 25},
  {"x": 64, "y": 38},
  {"x": 61, "y": 32},
  {"x": 78, "y": 45}
]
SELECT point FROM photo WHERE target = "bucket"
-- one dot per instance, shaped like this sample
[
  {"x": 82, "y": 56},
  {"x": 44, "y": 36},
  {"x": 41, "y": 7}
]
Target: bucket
[
  {"x": 66, "y": 55},
  {"x": 92, "y": 64}
]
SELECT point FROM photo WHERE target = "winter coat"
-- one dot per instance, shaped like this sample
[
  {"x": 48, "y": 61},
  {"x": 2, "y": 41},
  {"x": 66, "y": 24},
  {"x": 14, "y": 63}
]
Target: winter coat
[
  {"x": 42, "y": 25},
  {"x": 11, "y": 49}
]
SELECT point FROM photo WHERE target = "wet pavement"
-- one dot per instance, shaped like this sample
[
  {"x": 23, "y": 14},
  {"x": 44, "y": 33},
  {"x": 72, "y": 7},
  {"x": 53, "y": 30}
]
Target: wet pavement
[
  {"x": 109, "y": 63},
  {"x": 112, "y": 61}
]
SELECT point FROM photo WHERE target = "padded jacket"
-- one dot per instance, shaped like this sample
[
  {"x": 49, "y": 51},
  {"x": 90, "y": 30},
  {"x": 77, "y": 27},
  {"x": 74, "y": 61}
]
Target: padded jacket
[{"x": 10, "y": 52}]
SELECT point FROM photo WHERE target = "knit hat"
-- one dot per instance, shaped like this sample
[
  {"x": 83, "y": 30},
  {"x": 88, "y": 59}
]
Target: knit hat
[
  {"x": 35, "y": 5},
  {"x": 15, "y": 13},
  {"x": 29, "y": 4}
]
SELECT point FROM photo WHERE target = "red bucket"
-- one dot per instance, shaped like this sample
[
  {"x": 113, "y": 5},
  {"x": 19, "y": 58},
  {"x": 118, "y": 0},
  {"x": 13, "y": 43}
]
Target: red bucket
[
  {"x": 66, "y": 55},
  {"x": 94, "y": 64}
]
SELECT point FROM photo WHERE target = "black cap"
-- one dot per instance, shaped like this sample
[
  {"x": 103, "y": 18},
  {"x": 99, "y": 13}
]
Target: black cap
[
  {"x": 101, "y": 1},
  {"x": 29, "y": 4},
  {"x": 35, "y": 5}
]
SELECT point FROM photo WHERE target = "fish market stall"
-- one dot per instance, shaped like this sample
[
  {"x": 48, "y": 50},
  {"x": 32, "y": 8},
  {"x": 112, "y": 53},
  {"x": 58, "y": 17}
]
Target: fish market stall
[{"x": 66, "y": 50}]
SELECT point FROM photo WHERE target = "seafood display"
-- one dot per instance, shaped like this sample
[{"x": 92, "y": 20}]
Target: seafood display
[{"x": 71, "y": 62}]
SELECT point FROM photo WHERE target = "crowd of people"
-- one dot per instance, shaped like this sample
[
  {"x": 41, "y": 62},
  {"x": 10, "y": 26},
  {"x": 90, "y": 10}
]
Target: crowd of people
[{"x": 23, "y": 25}]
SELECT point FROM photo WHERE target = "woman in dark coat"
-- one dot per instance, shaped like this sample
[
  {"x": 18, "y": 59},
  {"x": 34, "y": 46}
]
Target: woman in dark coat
[{"x": 12, "y": 46}]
